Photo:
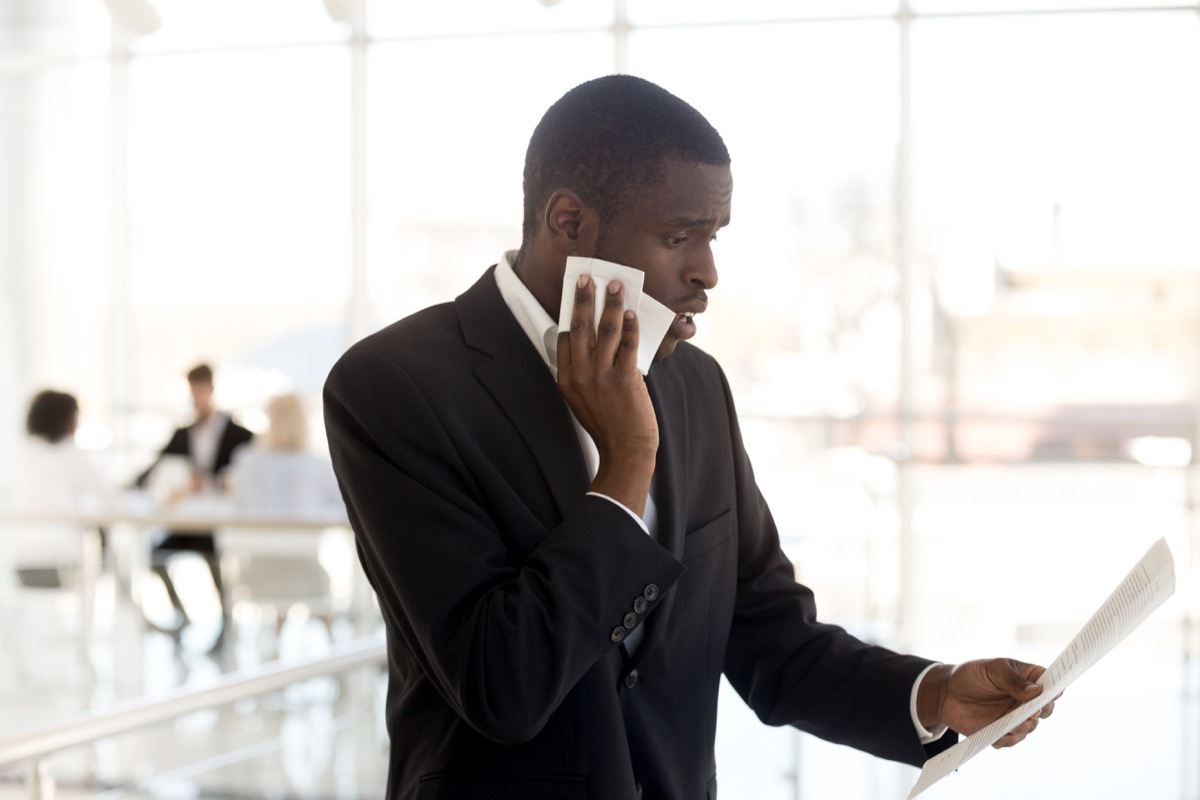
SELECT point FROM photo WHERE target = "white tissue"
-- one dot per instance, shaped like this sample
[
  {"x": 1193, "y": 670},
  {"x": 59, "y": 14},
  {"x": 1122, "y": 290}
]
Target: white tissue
[{"x": 654, "y": 319}]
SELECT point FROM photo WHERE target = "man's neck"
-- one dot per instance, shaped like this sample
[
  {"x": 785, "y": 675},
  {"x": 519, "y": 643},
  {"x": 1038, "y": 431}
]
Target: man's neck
[{"x": 539, "y": 278}]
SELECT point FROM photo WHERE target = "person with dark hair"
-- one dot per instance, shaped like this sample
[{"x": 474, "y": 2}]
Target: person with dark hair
[
  {"x": 200, "y": 375},
  {"x": 208, "y": 442},
  {"x": 55, "y": 476},
  {"x": 52, "y": 416},
  {"x": 208, "y": 445},
  {"x": 569, "y": 555}
]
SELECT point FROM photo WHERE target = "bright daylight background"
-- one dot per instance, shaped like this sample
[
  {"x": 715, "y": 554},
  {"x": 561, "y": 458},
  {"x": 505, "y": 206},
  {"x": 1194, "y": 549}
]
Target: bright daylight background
[{"x": 959, "y": 300}]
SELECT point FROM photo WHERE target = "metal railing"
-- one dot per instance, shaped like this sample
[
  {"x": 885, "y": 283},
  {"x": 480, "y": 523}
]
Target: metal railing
[{"x": 32, "y": 747}]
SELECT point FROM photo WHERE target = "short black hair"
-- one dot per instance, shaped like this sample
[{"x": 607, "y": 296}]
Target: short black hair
[
  {"x": 201, "y": 373},
  {"x": 608, "y": 136},
  {"x": 51, "y": 415}
]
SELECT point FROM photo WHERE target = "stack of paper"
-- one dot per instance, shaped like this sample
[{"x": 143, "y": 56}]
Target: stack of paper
[{"x": 1150, "y": 582}]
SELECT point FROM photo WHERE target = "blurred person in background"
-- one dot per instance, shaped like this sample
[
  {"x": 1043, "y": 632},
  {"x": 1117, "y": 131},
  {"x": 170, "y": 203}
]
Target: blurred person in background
[
  {"x": 279, "y": 477},
  {"x": 208, "y": 444},
  {"x": 55, "y": 476},
  {"x": 278, "y": 474}
]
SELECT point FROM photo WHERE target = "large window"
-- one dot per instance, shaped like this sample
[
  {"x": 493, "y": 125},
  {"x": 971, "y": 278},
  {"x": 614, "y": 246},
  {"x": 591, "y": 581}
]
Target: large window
[
  {"x": 56, "y": 281},
  {"x": 959, "y": 302},
  {"x": 445, "y": 155},
  {"x": 239, "y": 215}
]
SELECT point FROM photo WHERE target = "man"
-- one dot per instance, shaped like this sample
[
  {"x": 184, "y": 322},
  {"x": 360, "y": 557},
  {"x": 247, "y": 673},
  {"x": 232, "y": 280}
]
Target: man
[
  {"x": 208, "y": 444},
  {"x": 565, "y": 571}
]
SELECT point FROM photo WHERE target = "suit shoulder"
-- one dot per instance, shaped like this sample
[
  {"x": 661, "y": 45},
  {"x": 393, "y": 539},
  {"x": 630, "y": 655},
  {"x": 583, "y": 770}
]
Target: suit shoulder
[
  {"x": 428, "y": 341},
  {"x": 433, "y": 327}
]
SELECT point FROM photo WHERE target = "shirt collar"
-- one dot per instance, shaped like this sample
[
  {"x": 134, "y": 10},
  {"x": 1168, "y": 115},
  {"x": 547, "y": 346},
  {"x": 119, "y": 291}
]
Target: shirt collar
[{"x": 541, "y": 329}]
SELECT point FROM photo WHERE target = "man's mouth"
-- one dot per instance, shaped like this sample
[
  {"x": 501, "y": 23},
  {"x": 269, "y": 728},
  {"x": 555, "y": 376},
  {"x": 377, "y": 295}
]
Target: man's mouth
[{"x": 684, "y": 325}]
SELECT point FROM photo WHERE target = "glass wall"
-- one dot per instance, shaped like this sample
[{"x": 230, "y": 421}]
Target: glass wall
[
  {"x": 958, "y": 303},
  {"x": 239, "y": 225},
  {"x": 445, "y": 155}
]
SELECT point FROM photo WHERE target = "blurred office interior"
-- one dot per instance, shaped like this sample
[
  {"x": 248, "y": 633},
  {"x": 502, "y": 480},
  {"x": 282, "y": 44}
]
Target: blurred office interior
[{"x": 959, "y": 306}]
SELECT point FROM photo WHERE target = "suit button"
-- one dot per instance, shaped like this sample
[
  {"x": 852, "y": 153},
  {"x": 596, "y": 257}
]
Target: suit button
[
  {"x": 630, "y": 620},
  {"x": 618, "y": 633},
  {"x": 640, "y": 605},
  {"x": 631, "y": 679},
  {"x": 650, "y": 592}
]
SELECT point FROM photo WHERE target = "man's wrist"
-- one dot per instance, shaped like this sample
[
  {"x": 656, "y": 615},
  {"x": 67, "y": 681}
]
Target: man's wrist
[
  {"x": 931, "y": 694},
  {"x": 626, "y": 480}
]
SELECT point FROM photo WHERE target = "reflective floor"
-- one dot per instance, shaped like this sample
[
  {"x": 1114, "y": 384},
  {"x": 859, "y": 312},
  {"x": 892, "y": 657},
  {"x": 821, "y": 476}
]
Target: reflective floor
[
  {"x": 316, "y": 739},
  {"x": 1130, "y": 728}
]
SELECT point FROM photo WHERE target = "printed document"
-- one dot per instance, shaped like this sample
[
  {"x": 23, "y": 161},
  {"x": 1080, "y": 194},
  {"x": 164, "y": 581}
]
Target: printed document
[{"x": 1148, "y": 584}]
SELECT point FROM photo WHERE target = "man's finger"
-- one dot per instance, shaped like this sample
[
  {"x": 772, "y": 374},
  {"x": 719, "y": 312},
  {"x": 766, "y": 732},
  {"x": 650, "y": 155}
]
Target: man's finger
[
  {"x": 608, "y": 332},
  {"x": 563, "y": 355},
  {"x": 1018, "y": 733},
  {"x": 627, "y": 354},
  {"x": 583, "y": 334},
  {"x": 1017, "y": 678}
]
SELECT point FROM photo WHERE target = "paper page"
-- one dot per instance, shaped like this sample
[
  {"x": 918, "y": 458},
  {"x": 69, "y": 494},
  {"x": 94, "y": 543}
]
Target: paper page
[
  {"x": 654, "y": 319},
  {"x": 1143, "y": 590}
]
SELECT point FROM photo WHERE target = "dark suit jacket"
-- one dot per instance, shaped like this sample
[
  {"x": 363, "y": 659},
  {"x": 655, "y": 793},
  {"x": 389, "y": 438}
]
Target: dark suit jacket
[
  {"x": 233, "y": 437},
  {"x": 505, "y": 589}
]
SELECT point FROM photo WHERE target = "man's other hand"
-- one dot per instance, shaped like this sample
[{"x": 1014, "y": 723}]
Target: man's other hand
[{"x": 970, "y": 696}]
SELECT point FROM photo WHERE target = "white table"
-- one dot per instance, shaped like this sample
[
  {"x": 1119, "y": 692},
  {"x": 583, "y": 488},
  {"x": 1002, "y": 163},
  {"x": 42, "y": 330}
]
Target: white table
[{"x": 129, "y": 523}]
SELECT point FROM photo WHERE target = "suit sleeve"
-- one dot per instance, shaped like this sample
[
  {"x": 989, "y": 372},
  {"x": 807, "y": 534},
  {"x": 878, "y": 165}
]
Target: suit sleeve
[
  {"x": 502, "y": 632},
  {"x": 177, "y": 446},
  {"x": 793, "y": 669},
  {"x": 233, "y": 438}
]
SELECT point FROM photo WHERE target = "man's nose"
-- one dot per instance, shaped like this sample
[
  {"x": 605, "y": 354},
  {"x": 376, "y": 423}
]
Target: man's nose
[{"x": 702, "y": 268}]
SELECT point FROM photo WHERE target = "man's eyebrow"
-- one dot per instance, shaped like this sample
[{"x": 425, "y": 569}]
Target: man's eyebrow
[{"x": 696, "y": 222}]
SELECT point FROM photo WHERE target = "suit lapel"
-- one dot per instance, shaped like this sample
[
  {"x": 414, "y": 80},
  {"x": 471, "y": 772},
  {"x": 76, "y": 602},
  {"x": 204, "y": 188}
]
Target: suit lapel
[
  {"x": 518, "y": 380},
  {"x": 670, "y": 485},
  {"x": 515, "y": 376}
]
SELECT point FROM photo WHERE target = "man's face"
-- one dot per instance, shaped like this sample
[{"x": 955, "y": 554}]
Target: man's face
[
  {"x": 667, "y": 230},
  {"x": 202, "y": 398}
]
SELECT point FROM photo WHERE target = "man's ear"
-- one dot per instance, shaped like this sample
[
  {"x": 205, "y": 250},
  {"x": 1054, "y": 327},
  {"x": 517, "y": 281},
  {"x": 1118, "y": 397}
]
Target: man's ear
[{"x": 571, "y": 223}]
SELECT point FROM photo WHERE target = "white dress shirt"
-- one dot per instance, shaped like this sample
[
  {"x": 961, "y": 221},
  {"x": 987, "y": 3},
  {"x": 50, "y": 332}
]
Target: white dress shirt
[{"x": 204, "y": 439}]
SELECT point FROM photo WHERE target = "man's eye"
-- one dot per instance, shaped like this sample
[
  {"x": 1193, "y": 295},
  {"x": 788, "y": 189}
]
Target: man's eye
[{"x": 675, "y": 241}]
